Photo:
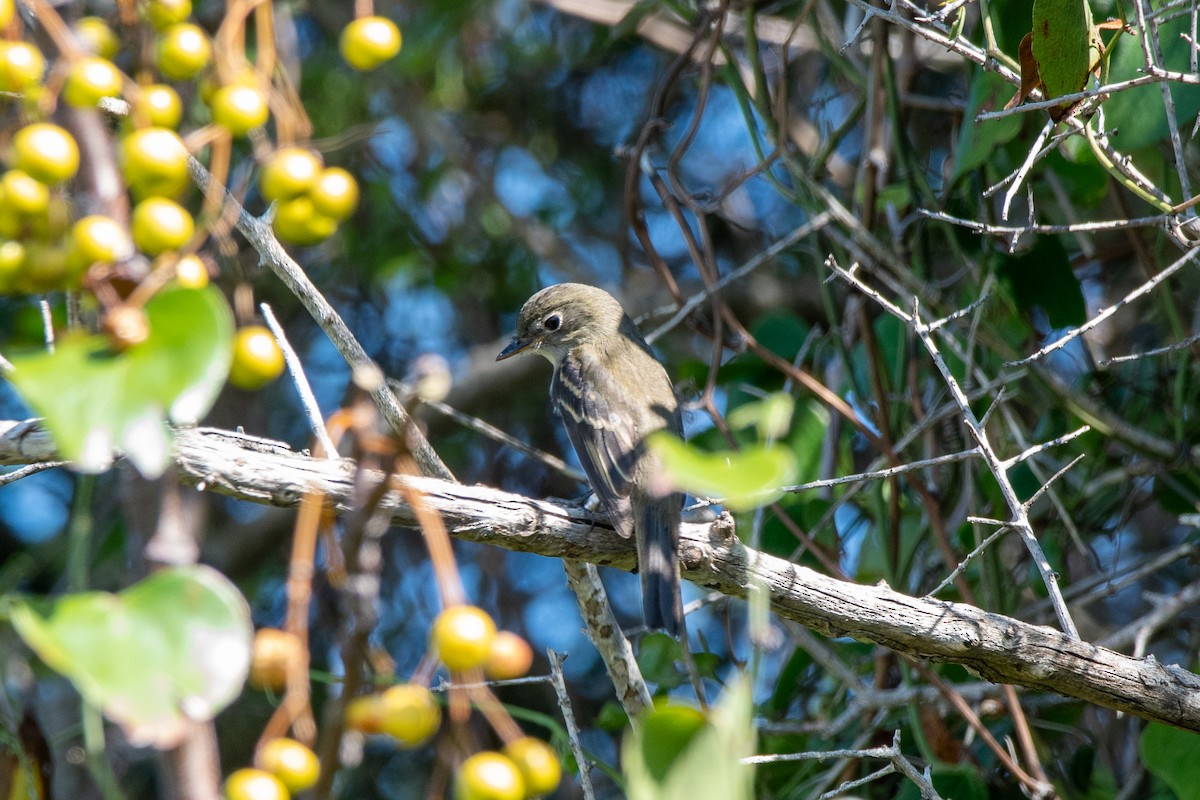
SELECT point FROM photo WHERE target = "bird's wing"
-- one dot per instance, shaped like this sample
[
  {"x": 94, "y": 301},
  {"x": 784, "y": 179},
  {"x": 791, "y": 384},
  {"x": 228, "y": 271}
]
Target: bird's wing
[{"x": 602, "y": 430}]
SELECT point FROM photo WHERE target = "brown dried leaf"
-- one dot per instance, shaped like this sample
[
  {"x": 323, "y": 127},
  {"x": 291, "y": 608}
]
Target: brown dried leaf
[{"x": 1031, "y": 79}]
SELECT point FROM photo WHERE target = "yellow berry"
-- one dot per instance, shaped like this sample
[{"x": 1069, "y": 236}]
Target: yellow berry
[
  {"x": 24, "y": 194},
  {"x": 90, "y": 80},
  {"x": 298, "y": 222},
  {"x": 489, "y": 776},
  {"x": 165, "y": 13},
  {"x": 274, "y": 654},
  {"x": 289, "y": 173},
  {"x": 240, "y": 109},
  {"x": 47, "y": 152},
  {"x": 191, "y": 272},
  {"x": 154, "y": 162},
  {"x": 334, "y": 193},
  {"x": 257, "y": 359},
  {"x": 370, "y": 41},
  {"x": 160, "y": 225},
  {"x": 510, "y": 657},
  {"x": 159, "y": 105},
  {"x": 293, "y": 763},
  {"x": 100, "y": 239},
  {"x": 21, "y": 66},
  {"x": 183, "y": 51},
  {"x": 537, "y": 763},
  {"x": 97, "y": 37},
  {"x": 462, "y": 636},
  {"x": 254, "y": 784}
]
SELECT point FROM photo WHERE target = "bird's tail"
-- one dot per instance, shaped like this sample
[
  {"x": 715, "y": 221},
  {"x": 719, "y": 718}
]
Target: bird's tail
[{"x": 657, "y": 529}]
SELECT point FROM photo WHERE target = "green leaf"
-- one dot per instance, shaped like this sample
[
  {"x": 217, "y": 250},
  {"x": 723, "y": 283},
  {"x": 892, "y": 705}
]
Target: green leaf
[
  {"x": 1173, "y": 756},
  {"x": 1081, "y": 174},
  {"x": 1010, "y": 20},
  {"x": 779, "y": 332},
  {"x": 742, "y": 479},
  {"x": 172, "y": 648},
  {"x": 788, "y": 683},
  {"x": 612, "y": 717},
  {"x": 772, "y": 415},
  {"x": 1138, "y": 115},
  {"x": 95, "y": 399},
  {"x": 951, "y": 780},
  {"x": 666, "y": 733},
  {"x": 1062, "y": 31},
  {"x": 656, "y": 659},
  {"x": 676, "y": 754},
  {"x": 807, "y": 509},
  {"x": 1042, "y": 278},
  {"x": 810, "y": 426}
]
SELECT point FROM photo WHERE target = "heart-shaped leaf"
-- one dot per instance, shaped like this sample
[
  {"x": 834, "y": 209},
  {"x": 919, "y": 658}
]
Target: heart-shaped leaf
[
  {"x": 742, "y": 479},
  {"x": 772, "y": 415},
  {"x": 172, "y": 648},
  {"x": 1174, "y": 756},
  {"x": 676, "y": 753},
  {"x": 95, "y": 399}
]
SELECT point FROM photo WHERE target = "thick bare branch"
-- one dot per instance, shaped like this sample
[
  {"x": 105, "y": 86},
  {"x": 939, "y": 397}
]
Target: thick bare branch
[{"x": 998, "y": 648}]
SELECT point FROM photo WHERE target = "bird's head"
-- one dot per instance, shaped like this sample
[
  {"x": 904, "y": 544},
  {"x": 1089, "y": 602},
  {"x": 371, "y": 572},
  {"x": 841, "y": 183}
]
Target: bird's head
[{"x": 562, "y": 317}]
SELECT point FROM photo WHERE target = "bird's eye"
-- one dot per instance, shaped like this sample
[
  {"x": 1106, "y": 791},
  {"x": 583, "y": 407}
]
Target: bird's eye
[{"x": 552, "y": 322}]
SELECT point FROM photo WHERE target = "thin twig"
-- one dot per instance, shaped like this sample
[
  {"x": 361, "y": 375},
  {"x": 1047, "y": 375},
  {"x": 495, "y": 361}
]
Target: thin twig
[
  {"x": 564, "y": 705},
  {"x": 300, "y": 380},
  {"x": 1140, "y": 291},
  {"x": 492, "y": 432},
  {"x": 1020, "y": 520},
  {"x": 695, "y": 301},
  {"x": 276, "y": 258}
]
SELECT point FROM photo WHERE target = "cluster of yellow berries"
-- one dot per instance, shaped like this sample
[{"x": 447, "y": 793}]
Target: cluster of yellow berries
[
  {"x": 310, "y": 200},
  {"x": 282, "y": 768},
  {"x": 41, "y": 249},
  {"x": 47, "y": 245},
  {"x": 463, "y": 638}
]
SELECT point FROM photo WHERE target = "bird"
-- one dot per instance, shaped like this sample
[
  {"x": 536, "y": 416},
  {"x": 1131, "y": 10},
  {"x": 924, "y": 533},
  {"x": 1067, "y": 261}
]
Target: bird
[{"x": 611, "y": 392}]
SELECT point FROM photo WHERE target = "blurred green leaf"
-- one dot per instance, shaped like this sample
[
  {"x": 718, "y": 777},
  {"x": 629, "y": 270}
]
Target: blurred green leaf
[
  {"x": 1043, "y": 278},
  {"x": 810, "y": 427},
  {"x": 95, "y": 399},
  {"x": 676, "y": 754},
  {"x": 772, "y": 415},
  {"x": 977, "y": 141},
  {"x": 892, "y": 336},
  {"x": 656, "y": 658},
  {"x": 742, "y": 479},
  {"x": 779, "y": 332},
  {"x": 1177, "y": 491},
  {"x": 1173, "y": 755},
  {"x": 612, "y": 717},
  {"x": 1010, "y": 20},
  {"x": 876, "y": 560},
  {"x": 806, "y": 509},
  {"x": 788, "y": 684},
  {"x": 174, "y": 647},
  {"x": 961, "y": 782},
  {"x": 1086, "y": 181},
  {"x": 665, "y": 733},
  {"x": 708, "y": 665},
  {"x": 1138, "y": 116}
]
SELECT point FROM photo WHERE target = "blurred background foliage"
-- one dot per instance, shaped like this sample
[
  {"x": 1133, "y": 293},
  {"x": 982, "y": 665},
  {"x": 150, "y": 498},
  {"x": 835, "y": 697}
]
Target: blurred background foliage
[{"x": 494, "y": 156}]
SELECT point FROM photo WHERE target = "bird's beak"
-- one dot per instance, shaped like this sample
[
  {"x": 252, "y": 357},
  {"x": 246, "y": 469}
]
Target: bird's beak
[{"x": 517, "y": 345}]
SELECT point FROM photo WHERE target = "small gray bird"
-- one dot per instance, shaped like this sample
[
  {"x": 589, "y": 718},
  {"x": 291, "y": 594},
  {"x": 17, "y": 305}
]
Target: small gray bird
[{"x": 611, "y": 393}]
